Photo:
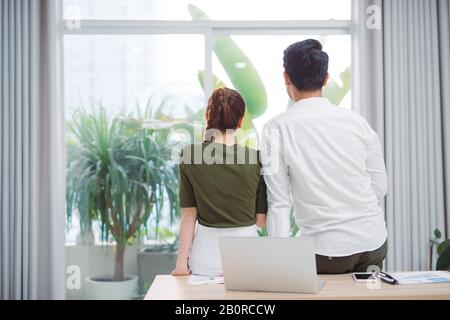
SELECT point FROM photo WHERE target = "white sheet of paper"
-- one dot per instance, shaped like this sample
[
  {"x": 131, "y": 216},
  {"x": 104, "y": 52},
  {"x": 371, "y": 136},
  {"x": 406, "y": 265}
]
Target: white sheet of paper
[
  {"x": 422, "y": 277},
  {"x": 196, "y": 280}
]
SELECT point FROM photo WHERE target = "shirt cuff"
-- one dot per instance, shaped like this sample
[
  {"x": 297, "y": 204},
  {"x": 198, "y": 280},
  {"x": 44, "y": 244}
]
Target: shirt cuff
[{"x": 279, "y": 223}]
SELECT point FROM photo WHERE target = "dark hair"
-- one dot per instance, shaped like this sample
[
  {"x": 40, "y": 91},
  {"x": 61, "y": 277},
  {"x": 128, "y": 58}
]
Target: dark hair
[
  {"x": 306, "y": 64},
  {"x": 226, "y": 108}
]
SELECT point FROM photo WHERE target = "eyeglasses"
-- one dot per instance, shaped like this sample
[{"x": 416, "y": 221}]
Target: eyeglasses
[{"x": 386, "y": 278}]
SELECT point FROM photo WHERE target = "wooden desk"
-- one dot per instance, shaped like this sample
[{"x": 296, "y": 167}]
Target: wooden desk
[{"x": 341, "y": 287}]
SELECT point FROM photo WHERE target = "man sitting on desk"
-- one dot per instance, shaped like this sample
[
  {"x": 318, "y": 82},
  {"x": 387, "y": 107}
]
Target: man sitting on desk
[{"x": 328, "y": 160}]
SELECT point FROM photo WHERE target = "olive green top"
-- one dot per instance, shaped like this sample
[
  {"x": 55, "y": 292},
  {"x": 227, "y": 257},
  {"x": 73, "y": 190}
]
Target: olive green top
[{"x": 224, "y": 182}]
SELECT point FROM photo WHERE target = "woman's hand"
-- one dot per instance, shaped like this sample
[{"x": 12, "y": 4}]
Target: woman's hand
[
  {"x": 181, "y": 270},
  {"x": 261, "y": 220}
]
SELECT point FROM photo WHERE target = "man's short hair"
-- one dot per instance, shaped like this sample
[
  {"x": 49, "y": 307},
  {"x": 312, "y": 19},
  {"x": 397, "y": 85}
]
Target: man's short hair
[{"x": 306, "y": 64}]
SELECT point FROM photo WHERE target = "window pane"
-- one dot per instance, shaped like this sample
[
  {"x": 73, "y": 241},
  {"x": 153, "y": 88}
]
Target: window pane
[
  {"x": 217, "y": 10},
  {"x": 266, "y": 54},
  {"x": 120, "y": 70}
]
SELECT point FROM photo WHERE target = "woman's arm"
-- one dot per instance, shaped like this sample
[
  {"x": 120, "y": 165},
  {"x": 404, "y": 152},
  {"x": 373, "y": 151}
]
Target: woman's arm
[
  {"x": 261, "y": 219},
  {"x": 187, "y": 228},
  {"x": 261, "y": 202}
]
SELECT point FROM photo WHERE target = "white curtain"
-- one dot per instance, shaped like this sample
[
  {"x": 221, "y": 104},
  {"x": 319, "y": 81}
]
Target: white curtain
[
  {"x": 402, "y": 83},
  {"x": 367, "y": 62},
  {"x": 444, "y": 58},
  {"x": 32, "y": 164}
]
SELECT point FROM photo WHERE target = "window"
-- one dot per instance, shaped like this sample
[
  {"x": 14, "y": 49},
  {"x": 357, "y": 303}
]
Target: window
[
  {"x": 217, "y": 10},
  {"x": 266, "y": 54},
  {"x": 128, "y": 56},
  {"x": 120, "y": 71}
]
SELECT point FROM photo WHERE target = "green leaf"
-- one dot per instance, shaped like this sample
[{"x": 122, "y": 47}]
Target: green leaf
[
  {"x": 165, "y": 234},
  {"x": 442, "y": 246},
  {"x": 217, "y": 83},
  {"x": 294, "y": 227},
  {"x": 443, "y": 262},
  {"x": 437, "y": 233},
  {"x": 263, "y": 232},
  {"x": 239, "y": 69},
  {"x": 336, "y": 93}
]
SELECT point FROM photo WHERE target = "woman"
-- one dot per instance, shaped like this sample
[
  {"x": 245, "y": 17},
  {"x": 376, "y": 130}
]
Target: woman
[{"x": 221, "y": 188}]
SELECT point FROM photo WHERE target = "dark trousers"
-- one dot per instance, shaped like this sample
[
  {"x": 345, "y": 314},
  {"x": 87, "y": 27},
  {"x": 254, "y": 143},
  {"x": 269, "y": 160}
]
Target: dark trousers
[{"x": 359, "y": 262}]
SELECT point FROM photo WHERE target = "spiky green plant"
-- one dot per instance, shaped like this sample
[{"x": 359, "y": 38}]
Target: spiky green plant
[{"x": 118, "y": 172}]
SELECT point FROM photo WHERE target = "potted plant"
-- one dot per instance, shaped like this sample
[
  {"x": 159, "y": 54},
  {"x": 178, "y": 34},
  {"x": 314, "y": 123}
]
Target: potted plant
[
  {"x": 443, "y": 251},
  {"x": 119, "y": 171}
]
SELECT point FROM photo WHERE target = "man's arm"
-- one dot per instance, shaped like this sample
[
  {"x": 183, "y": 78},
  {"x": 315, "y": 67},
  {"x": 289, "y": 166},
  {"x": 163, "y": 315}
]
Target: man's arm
[
  {"x": 375, "y": 167},
  {"x": 276, "y": 176}
]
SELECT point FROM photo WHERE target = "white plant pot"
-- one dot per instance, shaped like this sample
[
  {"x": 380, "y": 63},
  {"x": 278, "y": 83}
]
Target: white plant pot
[{"x": 103, "y": 288}]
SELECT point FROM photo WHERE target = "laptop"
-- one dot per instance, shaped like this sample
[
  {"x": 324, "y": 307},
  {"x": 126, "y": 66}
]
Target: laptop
[{"x": 269, "y": 264}]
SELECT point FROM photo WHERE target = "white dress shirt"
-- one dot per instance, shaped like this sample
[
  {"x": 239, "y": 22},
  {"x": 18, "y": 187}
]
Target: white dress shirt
[{"x": 327, "y": 162}]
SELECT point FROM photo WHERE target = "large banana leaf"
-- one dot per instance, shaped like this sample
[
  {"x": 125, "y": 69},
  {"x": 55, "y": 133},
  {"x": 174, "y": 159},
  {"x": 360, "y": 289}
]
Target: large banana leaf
[{"x": 239, "y": 69}]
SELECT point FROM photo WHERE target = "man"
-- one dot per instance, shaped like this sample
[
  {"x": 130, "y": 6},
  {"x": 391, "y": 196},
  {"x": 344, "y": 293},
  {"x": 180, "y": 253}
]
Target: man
[{"x": 329, "y": 162}]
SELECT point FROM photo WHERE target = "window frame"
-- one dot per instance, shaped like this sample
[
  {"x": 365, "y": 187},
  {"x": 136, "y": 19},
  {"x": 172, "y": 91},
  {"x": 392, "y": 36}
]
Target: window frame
[{"x": 207, "y": 28}]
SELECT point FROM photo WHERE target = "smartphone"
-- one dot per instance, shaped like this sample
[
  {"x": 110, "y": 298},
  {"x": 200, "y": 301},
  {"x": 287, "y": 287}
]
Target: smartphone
[{"x": 363, "y": 276}]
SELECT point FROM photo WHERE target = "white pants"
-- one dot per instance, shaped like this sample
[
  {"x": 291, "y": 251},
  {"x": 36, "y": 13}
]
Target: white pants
[{"x": 205, "y": 254}]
